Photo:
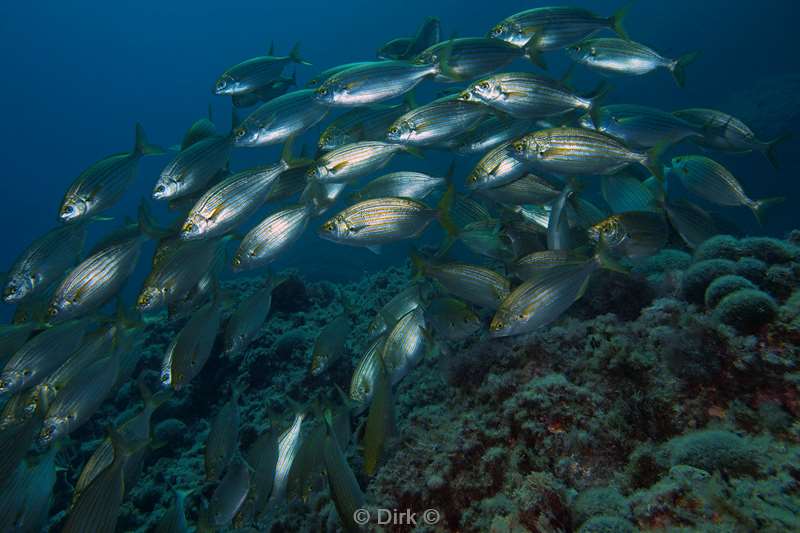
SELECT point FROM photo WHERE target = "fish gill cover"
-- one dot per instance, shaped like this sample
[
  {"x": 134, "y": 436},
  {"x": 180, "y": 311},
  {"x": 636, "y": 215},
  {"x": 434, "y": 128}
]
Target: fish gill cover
[{"x": 536, "y": 274}]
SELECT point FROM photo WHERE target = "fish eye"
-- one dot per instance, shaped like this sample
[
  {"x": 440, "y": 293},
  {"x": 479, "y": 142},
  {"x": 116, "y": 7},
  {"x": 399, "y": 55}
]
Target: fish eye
[
  {"x": 52, "y": 311},
  {"x": 593, "y": 52},
  {"x": 160, "y": 189},
  {"x": 484, "y": 85},
  {"x": 239, "y": 133},
  {"x": 394, "y": 130},
  {"x": 328, "y": 226},
  {"x": 220, "y": 84},
  {"x": 68, "y": 210},
  {"x": 322, "y": 91},
  {"x": 237, "y": 261}
]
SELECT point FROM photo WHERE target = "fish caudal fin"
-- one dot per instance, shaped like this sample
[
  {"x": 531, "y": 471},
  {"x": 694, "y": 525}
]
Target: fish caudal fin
[
  {"x": 769, "y": 148},
  {"x": 533, "y": 51},
  {"x": 142, "y": 147},
  {"x": 443, "y": 211},
  {"x": 618, "y": 18},
  {"x": 759, "y": 207},
  {"x": 678, "y": 67},
  {"x": 653, "y": 160},
  {"x": 294, "y": 55}
]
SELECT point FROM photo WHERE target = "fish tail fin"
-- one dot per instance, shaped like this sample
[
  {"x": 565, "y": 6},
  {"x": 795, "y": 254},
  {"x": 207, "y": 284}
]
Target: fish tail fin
[
  {"x": 443, "y": 209},
  {"x": 124, "y": 448},
  {"x": 653, "y": 160},
  {"x": 148, "y": 225},
  {"x": 152, "y": 401},
  {"x": 595, "y": 98},
  {"x": 286, "y": 153},
  {"x": 294, "y": 55},
  {"x": 533, "y": 50},
  {"x": 444, "y": 61},
  {"x": 678, "y": 67},
  {"x": 418, "y": 263},
  {"x": 410, "y": 100},
  {"x": 414, "y": 151},
  {"x": 142, "y": 147},
  {"x": 618, "y": 18},
  {"x": 770, "y": 146},
  {"x": 759, "y": 207}
]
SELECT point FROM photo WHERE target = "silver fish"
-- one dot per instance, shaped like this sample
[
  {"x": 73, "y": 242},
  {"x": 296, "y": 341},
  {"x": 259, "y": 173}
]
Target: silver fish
[
  {"x": 232, "y": 201},
  {"x": 192, "y": 168},
  {"x": 378, "y": 221},
  {"x": 529, "y": 189},
  {"x": 491, "y": 133},
  {"x": 404, "y": 345},
  {"x": 632, "y": 234},
  {"x": 626, "y": 193},
  {"x": 44, "y": 261},
  {"x": 452, "y": 319},
  {"x": 551, "y": 28},
  {"x": 253, "y": 74},
  {"x": 42, "y": 355},
  {"x": 712, "y": 181},
  {"x": 476, "y": 284},
  {"x": 621, "y": 56},
  {"x": 468, "y": 58},
  {"x": 721, "y": 131},
  {"x": 101, "y": 185},
  {"x": 498, "y": 167},
  {"x": 581, "y": 152},
  {"x": 414, "y": 185},
  {"x": 245, "y": 323},
  {"x": 401, "y": 303},
  {"x": 639, "y": 127},
  {"x": 362, "y": 384},
  {"x": 271, "y": 237},
  {"x": 75, "y": 404},
  {"x": 371, "y": 83},
  {"x": 526, "y": 95},
  {"x": 230, "y": 494},
  {"x": 330, "y": 344},
  {"x": 351, "y": 161},
  {"x": 288, "y": 445},
  {"x": 174, "y": 519},
  {"x": 435, "y": 122},
  {"x": 191, "y": 347},
  {"x": 345, "y": 492},
  {"x": 281, "y": 118},
  {"x": 223, "y": 438},
  {"x": 327, "y": 73}
]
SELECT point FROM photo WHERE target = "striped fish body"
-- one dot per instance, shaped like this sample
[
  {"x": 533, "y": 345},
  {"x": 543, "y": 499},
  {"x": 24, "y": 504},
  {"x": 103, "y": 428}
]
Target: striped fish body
[
  {"x": 468, "y": 58},
  {"x": 230, "y": 494},
  {"x": 262, "y": 457},
  {"x": 362, "y": 384},
  {"x": 488, "y": 238},
  {"x": 192, "y": 169},
  {"x": 13, "y": 337},
  {"x": 553, "y": 27},
  {"x": 41, "y": 356},
  {"x": 345, "y": 491},
  {"x": 223, "y": 439},
  {"x": 404, "y": 345},
  {"x": 378, "y": 221},
  {"x": 541, "y": 301},
  {"x": 288, "y": 445},
  {"x": 529, "y": 189},
  {"x": 692, "y": 223},
  {"x": 640, "y": 127},
  {"x": 79, "y": 399},
  {"x": 44, "y": 261},
  {"x": 720, "y": 131},
  {"x": 401, "y": 303},
  {"x": 250, "y": 75},
  {"x": 575, "y": 152},
  {"x": 372, "y": 83},
  {"x": 190, "y": 349},
  {"x": 437, "y": 121},
  {"x": 277, "y": 120},
  {"x": 352, "y": 161},
  {"x": 229, "y": 203},
  {"x": 321, "y": 196},
  {"x": 491, "y": 133},
  {"x": 245, "y": 323},
  {"x": 710, "y": 180},
  {"x": 534, "y": 216},
  {"x": 329, "y": 344},
  {"x": 618, "y": 56},
  {"x": 478, "y": 285},
  {"x": 177, "y": 273},
  {"x": 327, "y": 73},
  {"x": 525, "y": 95},
  {"x": 100, "y": 186},
  {"x": 95, "y": 281},
  {"x": 414, "y": 185},
  {"x": 537, "y": 264},
  {"x": 360, "y": 124},
  {"x": 466, "y": 211},
  {"x": 498, "y": 167},
  {"x": 271, "y": 237}
]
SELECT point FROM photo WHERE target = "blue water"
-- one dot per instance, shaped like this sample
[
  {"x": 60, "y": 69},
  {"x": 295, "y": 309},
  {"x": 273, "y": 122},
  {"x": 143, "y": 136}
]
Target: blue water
[{"x": 77, "y": 76}]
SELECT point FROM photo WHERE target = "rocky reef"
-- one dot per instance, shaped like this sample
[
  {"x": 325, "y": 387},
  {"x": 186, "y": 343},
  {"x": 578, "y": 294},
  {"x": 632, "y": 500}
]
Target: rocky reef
[{"x": 665, "y": 399}]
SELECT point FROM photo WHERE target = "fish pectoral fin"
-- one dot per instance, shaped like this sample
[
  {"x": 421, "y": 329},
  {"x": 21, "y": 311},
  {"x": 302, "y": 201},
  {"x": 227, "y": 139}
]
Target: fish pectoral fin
[
  {"x": 217, "y": 210},
  {"x": 355, "y": 229}
]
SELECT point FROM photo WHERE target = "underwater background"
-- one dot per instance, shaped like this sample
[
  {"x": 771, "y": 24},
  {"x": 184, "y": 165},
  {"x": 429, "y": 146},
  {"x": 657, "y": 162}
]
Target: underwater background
[{"x": 640, "y": 409}]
